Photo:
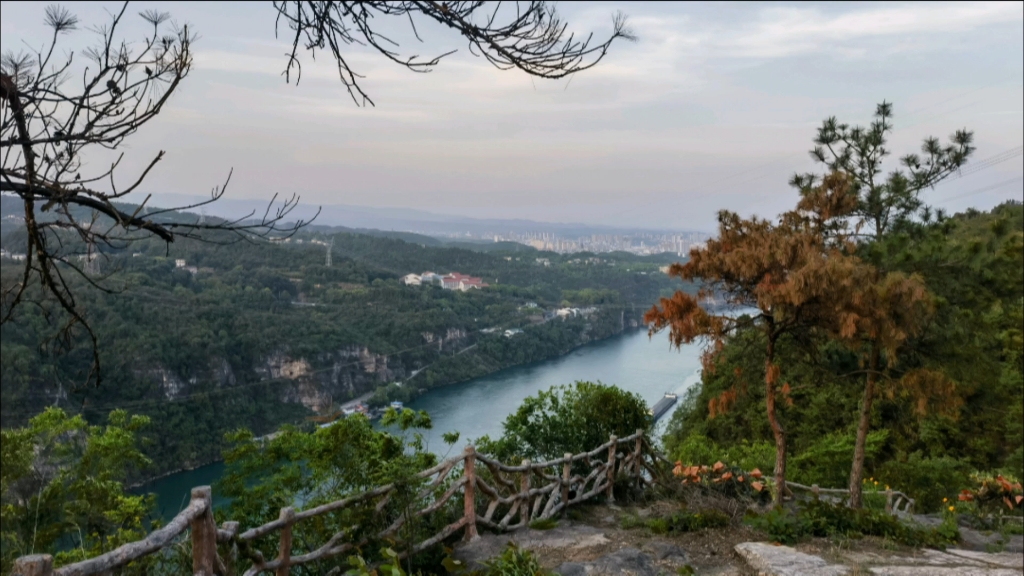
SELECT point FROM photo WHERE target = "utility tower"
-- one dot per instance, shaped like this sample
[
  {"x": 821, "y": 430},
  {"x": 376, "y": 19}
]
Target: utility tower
[
  {"x": 330, "y": 246},
  {"x": 91, "y": 265}
]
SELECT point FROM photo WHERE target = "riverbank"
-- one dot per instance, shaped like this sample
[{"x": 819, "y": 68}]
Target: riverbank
[
  {"x": 411, "y": 393},
  {"x": 479, "y": 407}
]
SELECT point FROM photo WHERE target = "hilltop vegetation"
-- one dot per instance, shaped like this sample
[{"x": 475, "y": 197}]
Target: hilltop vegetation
[{"x": 927, "y": 447}]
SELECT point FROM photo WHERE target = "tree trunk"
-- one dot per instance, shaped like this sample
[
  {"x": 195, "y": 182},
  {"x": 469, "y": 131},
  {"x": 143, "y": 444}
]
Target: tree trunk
[
  {"x": 857, "y": 471},
  {"x": 773, "y": 420}
]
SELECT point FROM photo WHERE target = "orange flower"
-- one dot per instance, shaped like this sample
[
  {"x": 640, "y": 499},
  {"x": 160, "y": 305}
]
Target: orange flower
[
  {"x": 1019, "y": 499},
  {"x": 1008, "y": 503},
  {"x": 757, "y": 486},
  {"x": 727, "y": 475},
  {"x": 756, "y": 473},
  {"x": 740, "y": 479},
  {"x": 718, "y": 466}
]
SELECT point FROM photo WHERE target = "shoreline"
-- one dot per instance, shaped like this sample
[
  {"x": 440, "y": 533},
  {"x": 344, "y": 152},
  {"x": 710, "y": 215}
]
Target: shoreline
[{"x": 626, "y": 331}]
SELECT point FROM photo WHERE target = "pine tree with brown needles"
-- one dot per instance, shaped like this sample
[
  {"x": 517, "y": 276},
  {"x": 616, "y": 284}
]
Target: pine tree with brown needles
[{"x": 793, "y": 272}]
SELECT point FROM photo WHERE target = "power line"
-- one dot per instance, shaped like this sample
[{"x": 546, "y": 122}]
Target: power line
[
  {"x": 984, "y": 189},
  {"x": 987, "y": 163}
]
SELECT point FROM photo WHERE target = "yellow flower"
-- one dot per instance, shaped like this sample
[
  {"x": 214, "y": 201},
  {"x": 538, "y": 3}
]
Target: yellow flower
[
  {"x": 886, "y": 486},
  {"x": 872, "y": 479},
  {"x": 952, "y": 508},
  {"x": 876, "y": 482},
  {"x": 944, "y": 500}
]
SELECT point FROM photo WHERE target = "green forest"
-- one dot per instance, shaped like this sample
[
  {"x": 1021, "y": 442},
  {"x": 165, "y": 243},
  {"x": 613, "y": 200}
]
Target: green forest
[{"x": 204, "y": 353}]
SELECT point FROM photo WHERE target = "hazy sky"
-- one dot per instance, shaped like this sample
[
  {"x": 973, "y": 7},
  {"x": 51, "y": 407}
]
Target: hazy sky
[{"x": 713, "y": 108}]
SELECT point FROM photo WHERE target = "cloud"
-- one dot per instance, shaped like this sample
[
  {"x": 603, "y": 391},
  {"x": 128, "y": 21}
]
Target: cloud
[{"x": 781, "y": 32}]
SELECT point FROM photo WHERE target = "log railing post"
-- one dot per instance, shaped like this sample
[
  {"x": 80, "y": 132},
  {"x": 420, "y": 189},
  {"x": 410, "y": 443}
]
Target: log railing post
[
  {"x": 611, "y": 468},
  {"x": 204, "y": 535},
  {"x": 888, "y": 500},
  {"x": 34, "y": 565},
  {"x": 284, "y": 547},
  {"x": 566, "y": 476},
  {"x": 469, "y": 494},
  {"x": 524, "y": 499},
  {"x": 638, "y": 455},
  {"x": 816, "y": 491},
  {"x": 231, "y": 561}
]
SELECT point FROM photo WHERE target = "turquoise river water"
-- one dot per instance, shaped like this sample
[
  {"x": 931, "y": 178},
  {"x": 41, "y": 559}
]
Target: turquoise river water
[{"x": 477, "y": 407}]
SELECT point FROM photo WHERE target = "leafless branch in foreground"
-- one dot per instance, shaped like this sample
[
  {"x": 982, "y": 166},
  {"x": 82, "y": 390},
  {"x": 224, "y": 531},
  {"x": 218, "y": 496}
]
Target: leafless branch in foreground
[
  {"x": 56, "y": 110},
  {"x": 529, "y": 36}
]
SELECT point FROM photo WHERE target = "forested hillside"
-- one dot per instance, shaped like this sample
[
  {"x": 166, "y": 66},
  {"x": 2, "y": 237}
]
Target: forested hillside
[
  {"x": 928, "y": 435},
  {"x": 255, "y": 335}
]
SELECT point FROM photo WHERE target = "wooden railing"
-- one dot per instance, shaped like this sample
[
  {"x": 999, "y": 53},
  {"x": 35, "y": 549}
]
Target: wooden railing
[
  {"x": 511, "y": 497},
  {"x": 896, "y": 502}
]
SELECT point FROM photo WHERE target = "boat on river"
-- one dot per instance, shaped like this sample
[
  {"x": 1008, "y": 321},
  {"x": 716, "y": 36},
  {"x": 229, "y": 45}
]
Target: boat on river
[{"x": 662, "y": 406}]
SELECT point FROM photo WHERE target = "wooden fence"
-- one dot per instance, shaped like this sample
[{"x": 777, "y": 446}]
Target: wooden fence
[
  {"x": 509, "y": 497},
  {"x": 896, "y": 502}
]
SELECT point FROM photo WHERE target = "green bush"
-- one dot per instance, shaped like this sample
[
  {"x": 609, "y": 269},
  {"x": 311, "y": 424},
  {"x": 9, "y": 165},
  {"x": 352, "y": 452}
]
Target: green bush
[
  {"x": 515, "y": 562},
  {"x": 699, "y": 449},
  {"x": 827, "y": 462},
  {"x": 823, "y": 519},
  {"x": 695, "y": 521},
  {"x": 568, "y": 419},
  {"x": 926, "y": 480}
]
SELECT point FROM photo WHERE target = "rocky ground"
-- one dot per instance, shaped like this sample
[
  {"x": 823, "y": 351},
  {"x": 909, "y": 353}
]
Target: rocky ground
[{"x": 593, "y": 543}]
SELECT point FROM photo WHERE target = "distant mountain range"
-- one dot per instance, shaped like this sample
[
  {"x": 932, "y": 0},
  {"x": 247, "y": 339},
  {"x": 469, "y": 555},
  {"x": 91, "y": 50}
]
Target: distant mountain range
[{"x": 398, "y": 219}]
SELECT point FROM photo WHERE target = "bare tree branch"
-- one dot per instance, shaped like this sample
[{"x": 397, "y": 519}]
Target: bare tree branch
[
  {"x": 49, "y": 123},
  {"x": 528, "y": 36}
]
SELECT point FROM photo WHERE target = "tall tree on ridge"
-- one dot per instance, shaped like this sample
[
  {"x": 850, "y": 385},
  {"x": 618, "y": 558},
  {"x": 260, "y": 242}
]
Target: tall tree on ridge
[
  {"x": 890, "y": 307},
  {"x": 791, "y": 272}
]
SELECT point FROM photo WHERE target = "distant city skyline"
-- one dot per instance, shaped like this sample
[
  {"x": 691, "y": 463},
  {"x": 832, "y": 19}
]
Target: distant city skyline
[{"x": 714, "y": 108}]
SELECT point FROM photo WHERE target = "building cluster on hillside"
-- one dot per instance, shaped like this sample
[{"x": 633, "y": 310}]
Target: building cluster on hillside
[
  {"x": 450, "y": 281},
  {"x": 679, "y": 244},
  {"x": 12, "y": 255},
  {"x": 180, "y": 263}
]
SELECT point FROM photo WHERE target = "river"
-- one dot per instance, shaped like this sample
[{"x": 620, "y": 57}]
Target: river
[{"x": 477, "y": 407}]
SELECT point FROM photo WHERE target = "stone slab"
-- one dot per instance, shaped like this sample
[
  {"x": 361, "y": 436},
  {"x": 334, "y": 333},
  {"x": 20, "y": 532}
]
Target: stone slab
[
  {"x": 983, "y": 541},
  {"x": 568, "y": 536},
  {"x": 625, "y": 562},
  {"x": 942, "y": 571},
  {"x": 1002, "y": 559},
  {"x": 771, "y": 560}
]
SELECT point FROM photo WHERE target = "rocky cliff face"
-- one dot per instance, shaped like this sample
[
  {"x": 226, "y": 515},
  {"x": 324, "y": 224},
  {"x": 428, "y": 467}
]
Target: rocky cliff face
[
  {"x": 327, "y": 378},
  {"x": 316, "y": 382}
]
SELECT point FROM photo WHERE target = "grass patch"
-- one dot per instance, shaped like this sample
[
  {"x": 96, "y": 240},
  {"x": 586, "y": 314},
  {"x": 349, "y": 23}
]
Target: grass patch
[
  {"x": 544, "y": 524},
  {"x": 515, "y": 561}
]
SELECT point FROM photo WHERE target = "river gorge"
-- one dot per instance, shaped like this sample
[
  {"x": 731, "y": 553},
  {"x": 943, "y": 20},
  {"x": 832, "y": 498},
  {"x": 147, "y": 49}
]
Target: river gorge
[{"x": 477, "y": 407}]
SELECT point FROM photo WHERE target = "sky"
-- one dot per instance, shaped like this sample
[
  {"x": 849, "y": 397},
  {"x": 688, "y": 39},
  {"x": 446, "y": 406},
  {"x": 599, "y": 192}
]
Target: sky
[{"x": 714, "y": 107}]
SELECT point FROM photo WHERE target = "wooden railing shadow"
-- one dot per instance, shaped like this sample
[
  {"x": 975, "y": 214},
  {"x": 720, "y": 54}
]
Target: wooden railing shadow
[{"x": 510, "y": 497}]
